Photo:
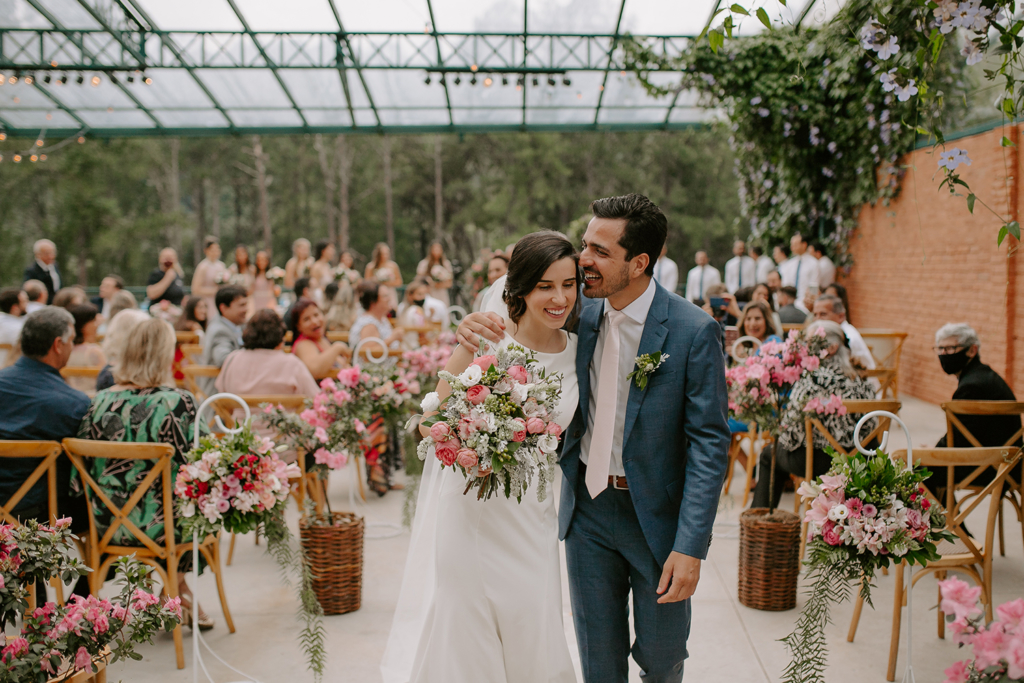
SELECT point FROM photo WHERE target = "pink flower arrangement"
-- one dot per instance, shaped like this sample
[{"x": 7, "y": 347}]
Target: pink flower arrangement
[{"x": 998, "y": 647}]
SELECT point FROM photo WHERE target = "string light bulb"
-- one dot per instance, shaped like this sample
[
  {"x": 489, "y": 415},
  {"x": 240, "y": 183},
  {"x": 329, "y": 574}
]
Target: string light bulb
[
  {"x": 29, "y": 80},
  {"x": 473, "y": 68},
  {"x": 39, "y": 143},
  {"x": 17, "y": 158},
  {"x": 33, "y": 158},
  {"x": 42, "y": 157},
  {"x": 12, "y": 80},
  {"x": 95, "y": 80},
  {"x": 3, "y": 136},
  {"x": 148, "y": 81},
  {"x": 488, "y": 82},
  {"x": 81, "y": 140}
]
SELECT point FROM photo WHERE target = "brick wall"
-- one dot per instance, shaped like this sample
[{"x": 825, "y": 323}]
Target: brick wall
[{"x": 924, "y": 260}]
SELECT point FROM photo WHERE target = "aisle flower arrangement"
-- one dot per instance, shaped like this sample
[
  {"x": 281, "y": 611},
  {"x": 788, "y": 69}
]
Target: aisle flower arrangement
[
  {"x": 866, "y": 513},
  {"x": 33, "y": 553},
  {"x": 422, "y": 365},
  {"x": 498, "y": 425},
  {"x": 998, "y": 647}
]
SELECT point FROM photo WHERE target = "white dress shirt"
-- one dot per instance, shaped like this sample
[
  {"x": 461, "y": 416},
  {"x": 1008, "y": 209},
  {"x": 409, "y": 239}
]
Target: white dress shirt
[
  {"x": 858, "y": 347},
  {"x": 800, "y": 272},
  {"x": 765, "y": 265},
  {"x": 630, "y": 331},
  {"x": 666, "y": 272},
  {"x": 826, "y": 272},
  {"x": 699, "y": 279},
  {"x": 52, "y": 270},
  {"x": 740, "y": 271},
  {"x": 492, "y": 301},
  {"x": 10, "y": 330},
  {"x": 435, "y": 310}
]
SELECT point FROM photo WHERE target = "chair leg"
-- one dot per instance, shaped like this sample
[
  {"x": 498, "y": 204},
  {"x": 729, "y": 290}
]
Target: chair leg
[
  {"x": 58, "y": 588},
  {"x": 941, "y": 576},
  {"x": 734, "y": 448},
  {"x": 1002, "y": 542},
  {"x": 751, "y": 462},
  {"x": 897, "y": 614},
  {"x": 231, "y": 550},
  {"x": 213, "y": 557},
  {"x": 855, "y": 621}
]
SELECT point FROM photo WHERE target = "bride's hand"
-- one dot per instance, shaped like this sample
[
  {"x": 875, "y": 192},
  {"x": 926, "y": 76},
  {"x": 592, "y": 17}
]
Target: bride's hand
[{"x": 490, "y": 326}]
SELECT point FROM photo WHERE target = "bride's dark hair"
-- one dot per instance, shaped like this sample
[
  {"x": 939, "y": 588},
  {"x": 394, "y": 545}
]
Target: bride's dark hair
[{"x": 531, "y": 258}]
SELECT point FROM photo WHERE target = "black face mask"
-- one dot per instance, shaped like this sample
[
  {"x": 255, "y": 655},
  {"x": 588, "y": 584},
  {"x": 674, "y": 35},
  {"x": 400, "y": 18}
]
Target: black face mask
[
  {"x": 419, "y": 302},
  {"x": 953, "y": 363}
]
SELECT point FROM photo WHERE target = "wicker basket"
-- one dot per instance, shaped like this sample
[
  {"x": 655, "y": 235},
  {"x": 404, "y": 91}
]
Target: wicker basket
[
  {"x": 769, "y": 559},
  {"x": 336, "y": 558}
]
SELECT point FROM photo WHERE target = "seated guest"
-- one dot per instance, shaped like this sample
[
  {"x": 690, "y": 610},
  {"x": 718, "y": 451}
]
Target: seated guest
[
  {"x": 377, "y": 302},
  {"x": 836, "y": 289},
  {"x": 311, "y": 346},
  {"x": 193, "y": 317},
  {"x": 87, "y": 352},
  {"x": 756, "y": 321},
  {"x": 37, "y": 405},
  {"x": 36, "y": 293},
  {"x": 261, "y": 366},
  {"x": 143, "y": 406},
  {"x": 836, "y": 376},
  {"x": 224, "y": 333},
  {"x": 764, "y": 293},
  {"x": 342, "y": 307},
  {"x": 302, "y": 291},
  {"x": 497, "y": 266},
  {"x": 122, "y": 301},
  {"x": 828, "y": 307},
  {"x": 67, "y": 297},
  {"x": 121, "y": 325},
  {"x": 13, "y": 303},
  {"x": 109, "y": 286},
  {"x": 789, "y": 314},
  {"x": 411, "y": 313}
]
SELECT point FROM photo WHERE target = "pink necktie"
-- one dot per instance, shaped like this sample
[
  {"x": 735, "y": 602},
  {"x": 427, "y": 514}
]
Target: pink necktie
[{"x": 600, "y": 457}]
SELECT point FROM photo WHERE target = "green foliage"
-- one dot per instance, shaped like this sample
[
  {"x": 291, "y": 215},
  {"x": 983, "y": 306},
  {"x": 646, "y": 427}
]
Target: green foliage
[{"x": 33, "y": 553}]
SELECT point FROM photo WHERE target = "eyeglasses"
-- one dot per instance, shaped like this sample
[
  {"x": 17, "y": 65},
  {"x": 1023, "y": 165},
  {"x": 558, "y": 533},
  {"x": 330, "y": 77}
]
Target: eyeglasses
[{"x": 946, "y": 350}]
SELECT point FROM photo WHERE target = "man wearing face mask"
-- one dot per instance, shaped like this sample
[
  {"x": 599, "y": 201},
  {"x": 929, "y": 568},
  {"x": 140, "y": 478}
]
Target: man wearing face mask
[{"x": 957, "y": 347}]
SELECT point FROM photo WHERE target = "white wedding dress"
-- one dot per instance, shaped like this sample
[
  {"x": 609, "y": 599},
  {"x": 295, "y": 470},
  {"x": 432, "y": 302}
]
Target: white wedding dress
[{"x": 481, "y": 599}]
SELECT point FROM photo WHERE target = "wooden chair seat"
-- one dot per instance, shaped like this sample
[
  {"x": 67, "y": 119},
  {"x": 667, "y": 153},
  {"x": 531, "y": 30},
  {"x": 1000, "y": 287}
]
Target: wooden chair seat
[{"x": 90, "y": 371}]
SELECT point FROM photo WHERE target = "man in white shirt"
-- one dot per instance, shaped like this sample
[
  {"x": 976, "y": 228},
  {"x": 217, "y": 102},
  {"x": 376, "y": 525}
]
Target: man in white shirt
[
  {"x": 36, "y": 293},
  {"x": 828, "y": 307},
  {"x": 740, "y": 270},
  {"x": 13, "y": 303},
  {"x": 435, "y": 310},
  {"x": 826, "y": 268},
  {"x": 109, "y": 286},
  {"x": 701, "y": 277},
  {"x": 800, "y": 271},
  {"x": 666, "y": 272},
  {"x": 764, "y": 263}
]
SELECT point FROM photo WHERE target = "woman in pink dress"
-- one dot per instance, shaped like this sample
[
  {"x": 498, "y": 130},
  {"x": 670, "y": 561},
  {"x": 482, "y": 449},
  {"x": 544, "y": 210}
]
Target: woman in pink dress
[
  {"x": 311, "y": 346},
  {"x": 263, "y": 292},
  {"x": 208, "y": 271}
]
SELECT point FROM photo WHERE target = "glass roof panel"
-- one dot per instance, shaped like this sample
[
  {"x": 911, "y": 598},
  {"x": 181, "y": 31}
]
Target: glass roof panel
[
  {"x": 20, "y": 14},
  {"x": 301, "y": 15},
  {"x": 576, "y": 115},
  {"x": 172, "y": 88},
  {"x": 414, "y": 117},
  {"x": 22, "y": 96},
  {"x": 327, "y": 117},
  {"x": 101, "y": 118},
  {"x": 365, "y": 118},
  {"x": 191, "y": 15},
  {"x": 106, "y": 94},
  {"x": 315, "y": 87},
  {"x": 478, "y": 117},
  {"x": 36, "y": 118},
  {"x": 467, "y": 16},
  {"x": 191, "y": 118},
  {"x": 70, "y": 13},
  {"x": 497, "y": 95},
  {"x": 265, "y": 117},
  {"x": 383, "y": 15},
  {"x": 632, "y": 114},
  {"x": 573, "y": 16},
  {"x": 627, "y": 91},
  {"x": 395, "y": 88},
  {"x": 244, "y": 87},
  {"x": 583, "y": 90},
  {"x": 657, "y": 17}
]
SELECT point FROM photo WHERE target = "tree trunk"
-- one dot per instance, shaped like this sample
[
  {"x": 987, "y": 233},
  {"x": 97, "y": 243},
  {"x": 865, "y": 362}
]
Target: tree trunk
[
  {"x": 389, "y": 219},
  {"x": 344, "y": 176},
  {"x": 174, "y": 197},
  {"x": 200, "y": 195},
  {"x": 82, "y": 257},
  {"x": 330, "y": 187},
  {"x": 214, "y": 195},
  {"x": 261, "y": 186},
  {"x": 438, "y": 191}
]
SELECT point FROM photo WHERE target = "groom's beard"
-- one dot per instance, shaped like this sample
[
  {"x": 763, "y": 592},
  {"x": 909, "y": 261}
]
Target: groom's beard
[{"x": 606, "y": 286}]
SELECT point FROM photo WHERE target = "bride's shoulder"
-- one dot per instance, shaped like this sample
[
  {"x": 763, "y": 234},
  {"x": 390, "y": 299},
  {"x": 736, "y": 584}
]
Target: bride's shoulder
[{"x": 573, "y": 340}]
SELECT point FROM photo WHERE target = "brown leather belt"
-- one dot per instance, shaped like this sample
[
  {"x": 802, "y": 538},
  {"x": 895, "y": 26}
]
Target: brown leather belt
[{"x": 617, "y": 483}]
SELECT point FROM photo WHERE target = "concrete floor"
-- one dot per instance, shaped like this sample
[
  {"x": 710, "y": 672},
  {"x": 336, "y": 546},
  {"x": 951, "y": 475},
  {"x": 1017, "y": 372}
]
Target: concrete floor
[{"x": 728, "y": 642}]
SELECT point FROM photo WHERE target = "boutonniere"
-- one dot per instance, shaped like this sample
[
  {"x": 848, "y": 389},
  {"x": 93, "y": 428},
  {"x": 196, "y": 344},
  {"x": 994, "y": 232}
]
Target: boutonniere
[{"x": 646, "y": 365}]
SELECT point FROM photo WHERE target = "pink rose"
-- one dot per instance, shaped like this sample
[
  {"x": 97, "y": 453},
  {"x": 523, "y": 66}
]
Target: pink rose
[
  {"x": 327, "y": 383},
  {"x": 440, "y": 431},
  {"x": 467, "y": 457},
  {"x": 957, "y": 673},
  {"x": 485, "y": 362},
  {"x": 447, "y": 451},
  {"x": 989, "y": 647},
  {"x": 519, "y": 374},
  {"x": 477, "y": 394},
  {"x": 555, "y": 430},
  {"x": 959, "y": 598},
  {"x": 829, "y": 533},
  {"x": 519, "y": 435},
  {"x": 535, "y": 425}
]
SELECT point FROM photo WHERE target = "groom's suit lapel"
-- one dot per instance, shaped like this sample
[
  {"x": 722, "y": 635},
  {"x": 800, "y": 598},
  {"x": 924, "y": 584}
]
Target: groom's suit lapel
[
  {"x": 651, "y": 341},
  {"x": 590, "y": 326}
]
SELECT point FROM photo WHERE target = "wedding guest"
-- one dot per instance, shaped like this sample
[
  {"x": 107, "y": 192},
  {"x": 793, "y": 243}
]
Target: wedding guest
[
  {"x": 756, "y": 321},
  {"x": 122, "y": 301},
  {"x": 263, "y": 292},
  {"x": 165, "y": 283},
  {"x": 36, "y": 293},
  {"x": 835, "y": 375},
  {"x": 342, "y": 306},
  {"x": 780, "y": 254},
  {"x": 193, "y": 317},
  {"x": 121, "y": 325},
  {"x": 381, "y": 268},
  {"x": 497, "y": 266},
  {"x": 66, "y": 297},
  {"x": 801, "y": 272},
  {"x": 322, "y": 272},
  {"x": 44, "y": 267},
  {"x": 347, "y": 266},
  {"x": 109, "y": 286},
  {"x": 261, "y": 366},
  {"x": 826, "y": 268},
  {"x": 774, "y": 282},
  {"x": 242, "y": 272},
  {"x": 311, "y": 345},
  {"x": 439, "y": 272},
  {"x": 205, "y": 280},
  {"x": 765, "y": 264},
  {"x": 740, "y": 270},
  {"x": 86, "y": 353},
  {"x": 666, "y": 272},
  {"x": 299, "y": 264},
  {"x": 828, "y": 307},
  {"x": 789, "y": 314},
  {"x": 377, "y": 302},
  {"x": 223, "y": 333},
  {"x": 302, "y": 291},
  {"x": 701, "y": 277},
  {"x": 761, "y": 292},
  {"x": 143, "y": 406},
  {"x": 836, "y": 289},
  {"x": 411, "y": 313},
  {"x": 13, "y": 303}
]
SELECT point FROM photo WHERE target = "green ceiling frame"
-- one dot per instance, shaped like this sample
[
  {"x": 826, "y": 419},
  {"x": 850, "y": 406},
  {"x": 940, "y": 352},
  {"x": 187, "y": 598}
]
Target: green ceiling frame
[
  {"x": 342, "y": 70},
  {"x": 611, "y": 59},
  {"x": 440, "y": 62}
]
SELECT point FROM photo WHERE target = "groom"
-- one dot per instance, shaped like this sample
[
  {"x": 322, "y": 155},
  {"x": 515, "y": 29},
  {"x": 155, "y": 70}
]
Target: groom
[{"x": 643, "y": 468}]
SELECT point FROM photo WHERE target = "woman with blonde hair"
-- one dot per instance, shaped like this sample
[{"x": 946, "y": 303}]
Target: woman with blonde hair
[
  {"x": 121, "y": 325},
  {"x": 382, "y": 269}
]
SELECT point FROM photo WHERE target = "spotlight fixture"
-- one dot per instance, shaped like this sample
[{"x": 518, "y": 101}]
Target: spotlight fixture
[
  {"x": 113, "y": 79},
  {"x": 46, "y": 79},
  {"x": 472, "y": 81},
  {"x": 63, "y": 80},
  {"x": 458, "y": 80},
  {"x": 80, "y": 80},
  {"x": 504, "y": 80},
  {"x": 551, "y": 81},
  {"x": 131, "y": 78},
  {"x": 566, "y": 82},
  {"x": 428, "y": 80},
  {"x": 535, "y": 82},
  {"x": 488, "y": 82},
  {"x": 95, "y": 80}
]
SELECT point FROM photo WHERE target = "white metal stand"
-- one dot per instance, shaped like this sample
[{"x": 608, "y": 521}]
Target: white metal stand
[{"x": 908, "y": 674}]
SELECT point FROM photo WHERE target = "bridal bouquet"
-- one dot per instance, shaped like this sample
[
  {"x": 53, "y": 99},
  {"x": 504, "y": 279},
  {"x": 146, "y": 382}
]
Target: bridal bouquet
[
  {"x": 998, "y": 647},
  {"x": 868, "y": 512},
  {"x": 234, "y": 483},
  {"x": 276, "y": 274},
  {"x": 498, "y": 425}
]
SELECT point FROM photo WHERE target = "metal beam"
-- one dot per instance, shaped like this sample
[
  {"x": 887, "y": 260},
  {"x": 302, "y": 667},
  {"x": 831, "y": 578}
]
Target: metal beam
[
  {"x": 440, "y": 63},
  {"x": 167, "y": 41},
  {"x": 342, "y": 71},
  {"x": 5, "y": 124},
  {"x": 526, "y": 50},
  {"x": 355, "y": 64},
  {"x": 57, "y": 24},
  {"x": 671, "y": 106},
  {"x": 611, "y": 57},
  {"x": 270, "y": 63},
  {"x": 60, "y": 105},
  {"x": 804, "y": 12}
]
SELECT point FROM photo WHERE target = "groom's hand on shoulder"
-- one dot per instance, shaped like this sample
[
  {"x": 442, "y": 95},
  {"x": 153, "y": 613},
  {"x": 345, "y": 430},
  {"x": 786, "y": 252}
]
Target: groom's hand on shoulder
[
  {"x": 490, "y": 326},
  {"x": 679, "y": 578}
]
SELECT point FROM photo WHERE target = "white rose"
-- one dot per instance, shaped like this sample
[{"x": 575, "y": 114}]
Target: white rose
[
  {"x": 518, "y": 393},
  {"x": 471, "y": 376},
  {"x": 547, "y": 443},
  {"x": 838, "y": 513},
  {"x": 430, "y": 403},
  {"x": 188, "y": 510}
]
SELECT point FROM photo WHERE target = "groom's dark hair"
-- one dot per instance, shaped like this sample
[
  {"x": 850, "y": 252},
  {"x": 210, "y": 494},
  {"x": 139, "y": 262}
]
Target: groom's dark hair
[{"x": 646, "y": 226}]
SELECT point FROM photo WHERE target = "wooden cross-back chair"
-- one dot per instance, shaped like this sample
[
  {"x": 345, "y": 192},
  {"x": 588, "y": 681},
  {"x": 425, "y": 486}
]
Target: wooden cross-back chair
[
  {"x": 964, "y": 555},
  {"x": 887, "y": 381},
  {"x": 193, "y": 372},
  {"x": 789, "y": 327},
  {"x": 101, "y": 552},
  {"x": 47, "y": 452},
  {"x": 1014, "y": 490},
  {"x": 337, "y": 336},
  {"x": 186, "y": 337},
  {"x": 192, "y": 353},
  {"x": 735, "y": 451},
  {"x": 886, "y": 347}
]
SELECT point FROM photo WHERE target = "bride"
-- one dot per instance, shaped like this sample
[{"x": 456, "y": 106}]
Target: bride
[{"x": 481, "y": 596}]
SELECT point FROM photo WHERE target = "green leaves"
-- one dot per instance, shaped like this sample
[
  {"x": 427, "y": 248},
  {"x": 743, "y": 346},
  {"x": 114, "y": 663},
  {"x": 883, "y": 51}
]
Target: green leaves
[
  {"x": 970, "y": 202},
  {"x": 737, "y": 9},
  {"x": 763, "y": 16},
  {"x": 1011, "y": 228},
  {"x": 715, "y": 39}
]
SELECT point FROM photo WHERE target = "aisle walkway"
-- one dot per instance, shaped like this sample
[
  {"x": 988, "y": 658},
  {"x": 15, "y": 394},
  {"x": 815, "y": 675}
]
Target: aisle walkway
[{"x": 729, "y": 643}]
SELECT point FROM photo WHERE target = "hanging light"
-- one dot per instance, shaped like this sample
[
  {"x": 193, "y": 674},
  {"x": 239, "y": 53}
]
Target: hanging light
[
  {"x": 80, "y": 80},
  {"x": 42, "y": 157},
  {"x": 148, "y": 81},
  {"x": 428, "y": 80},
  {"x": 130, "y": 78},
  {"x": 472, "y": 81},
  {"x": 504, "y": 80},
  {"x": 46, "y": 79},
  {"x": 458, "y": 80},
  {"x": 39, "y": 142},
  {"x": 13, "y": 79},
  {"x": 33, "y": 158},
  {"x": 473, "y": 68},
  {"x": 3, "y": 136},
  {"x": 488, "y": 82},
  {"x": 95, "y": 80},
  {"x": 551, "y": 81},
  {"x": 17, "y": 158},
  {"x": 62, "y": 80},
  {"x": 29, "y": 80},
  {"x": 535, "y": 82},
  {"x": 81, "y": 140},
  {"x": 566, "y": 82}
]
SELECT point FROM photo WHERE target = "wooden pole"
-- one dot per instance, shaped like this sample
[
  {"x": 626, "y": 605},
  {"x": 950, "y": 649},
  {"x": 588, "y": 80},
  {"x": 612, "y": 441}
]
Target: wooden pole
[
  {"x": 330, "y": 187},
  {"x": 1012, "y": 260},
  {"x": 344, "y": 176},
  {"x": 389, "y": 218},
  {"x": 261, "y": 186},
  {"x": 438, "y": 191}
]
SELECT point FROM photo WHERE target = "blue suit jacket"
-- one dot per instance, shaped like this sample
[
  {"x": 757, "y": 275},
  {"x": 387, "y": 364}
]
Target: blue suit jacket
[{"x": 676, "y": 434}]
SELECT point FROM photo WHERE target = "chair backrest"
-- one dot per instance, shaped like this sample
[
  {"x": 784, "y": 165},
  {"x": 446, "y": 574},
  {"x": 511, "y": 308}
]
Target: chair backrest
[
  {"x": 854, "y": 407},
  {"x": 337, "y": 336},
  {"x": 6, "y": 347},
  {"x": 886, "y": 346},
  {"x": 954, "y": 425},
  {"x": 91, "y": 371},
  {"x": 291, "y": 402},
  {"x": 80, "y": 451},
  {"x": 192, "y": 352},
  {"x": 886, "y": 380},
  {"x": 191, "y": 372},
  {"x": 789, "y": 327},
  {"x": 186, "y": 337},
  {"x": 943, "y": 463},
  {"x": 48, "y": 452}
]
